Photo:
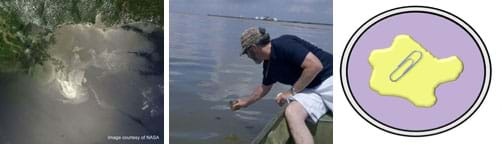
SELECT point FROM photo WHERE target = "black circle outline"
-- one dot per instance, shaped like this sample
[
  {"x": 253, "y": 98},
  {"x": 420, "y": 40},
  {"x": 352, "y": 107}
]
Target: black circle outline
[{"x": 427, "y": 12}]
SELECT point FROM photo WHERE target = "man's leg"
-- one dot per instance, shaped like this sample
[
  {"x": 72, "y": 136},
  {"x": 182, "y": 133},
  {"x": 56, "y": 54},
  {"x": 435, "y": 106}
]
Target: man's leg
[{"x": 296, "y": 115}]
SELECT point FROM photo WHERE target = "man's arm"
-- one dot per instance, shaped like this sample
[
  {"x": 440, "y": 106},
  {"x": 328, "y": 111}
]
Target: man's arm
[
  {"x": 257, "y": 94},
  {"x": 311, "y": 67}
]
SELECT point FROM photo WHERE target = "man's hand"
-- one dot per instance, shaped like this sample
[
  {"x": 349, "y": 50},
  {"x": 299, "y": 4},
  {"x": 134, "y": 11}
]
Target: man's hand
[
  {"x": 238, "y": 104},
  {"x": 258, "y": 93},
  {"x": 282, "y": 97}
]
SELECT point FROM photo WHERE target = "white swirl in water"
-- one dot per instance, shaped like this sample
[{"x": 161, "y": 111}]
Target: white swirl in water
[
  {"x": 71, "y": 84},
  {"x": 71, "y": 87}
]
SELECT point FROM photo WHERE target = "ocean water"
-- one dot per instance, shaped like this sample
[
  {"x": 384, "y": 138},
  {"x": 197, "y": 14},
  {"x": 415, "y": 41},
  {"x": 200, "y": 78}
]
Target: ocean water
[
  {"x": 206, "y": 70},
  {"x": 72, "y": 73}
]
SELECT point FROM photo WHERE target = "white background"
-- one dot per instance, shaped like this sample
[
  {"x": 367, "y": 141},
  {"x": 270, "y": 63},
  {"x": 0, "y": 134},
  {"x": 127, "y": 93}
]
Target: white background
[{"x": 485, "y": 124}]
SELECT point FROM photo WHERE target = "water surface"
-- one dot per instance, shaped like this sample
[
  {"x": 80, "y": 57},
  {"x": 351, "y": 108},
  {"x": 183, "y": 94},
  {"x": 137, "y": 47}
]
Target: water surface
[{"x": 71, "y": 73}]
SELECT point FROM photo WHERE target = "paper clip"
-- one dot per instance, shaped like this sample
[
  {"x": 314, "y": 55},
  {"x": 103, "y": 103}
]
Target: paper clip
[{"x": 408, "y": 58}]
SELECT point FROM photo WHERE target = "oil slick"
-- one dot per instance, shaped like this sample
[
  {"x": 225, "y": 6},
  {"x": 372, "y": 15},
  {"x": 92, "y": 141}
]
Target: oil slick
[{"x": 84, "y": 46}]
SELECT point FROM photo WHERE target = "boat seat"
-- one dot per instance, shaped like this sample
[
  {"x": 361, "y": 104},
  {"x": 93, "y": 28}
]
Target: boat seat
[
  {"x": 278, "y": 133},
  {"x": 323, "y": 130}
]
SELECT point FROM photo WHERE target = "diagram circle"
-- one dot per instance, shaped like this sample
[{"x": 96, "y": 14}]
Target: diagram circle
[{"x": 443, "y": 34}]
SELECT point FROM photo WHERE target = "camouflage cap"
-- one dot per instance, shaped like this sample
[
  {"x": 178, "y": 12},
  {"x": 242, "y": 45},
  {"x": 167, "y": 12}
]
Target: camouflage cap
[{"x": 249, "y": 37}]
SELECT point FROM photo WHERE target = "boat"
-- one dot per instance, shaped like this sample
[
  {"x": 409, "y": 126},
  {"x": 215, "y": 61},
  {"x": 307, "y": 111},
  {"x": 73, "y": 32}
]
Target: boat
[{"x": 277, "y": 132}]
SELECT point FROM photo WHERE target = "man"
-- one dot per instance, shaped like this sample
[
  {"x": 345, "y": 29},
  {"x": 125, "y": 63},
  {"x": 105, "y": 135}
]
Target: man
[{"x": 292, "y": 61}]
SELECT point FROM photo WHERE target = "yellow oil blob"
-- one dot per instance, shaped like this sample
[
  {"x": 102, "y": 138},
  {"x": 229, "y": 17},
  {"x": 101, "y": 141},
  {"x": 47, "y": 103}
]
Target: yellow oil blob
[{"x": 409, "y": 71}]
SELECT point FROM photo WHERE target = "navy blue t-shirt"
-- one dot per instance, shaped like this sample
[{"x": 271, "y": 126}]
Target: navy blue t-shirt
[{"x": 286, "y": 57}]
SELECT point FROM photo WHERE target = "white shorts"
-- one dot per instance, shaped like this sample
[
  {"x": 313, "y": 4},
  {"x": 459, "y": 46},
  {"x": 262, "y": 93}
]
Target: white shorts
[{"x": 316, "y": 101}]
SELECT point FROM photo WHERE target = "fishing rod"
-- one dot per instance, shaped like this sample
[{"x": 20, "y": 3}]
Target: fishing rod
[{"x": 266, "y": 18}]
